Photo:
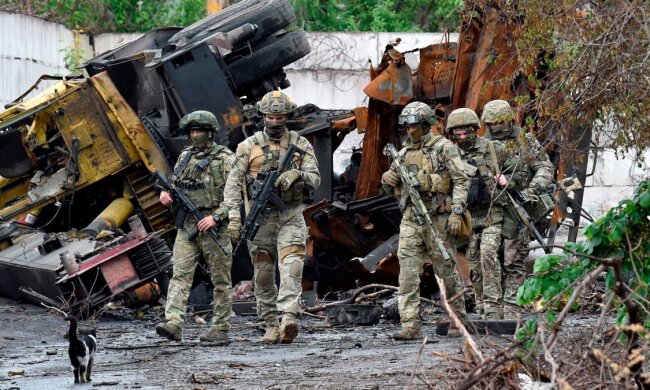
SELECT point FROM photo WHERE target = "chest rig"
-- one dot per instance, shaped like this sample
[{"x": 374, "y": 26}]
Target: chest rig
[
  {"x": 269, "y": 162},
  {"x": 201, "y": 176},
  {"x": 426, "y": 158},
  {"x": 482, "y": 184}
]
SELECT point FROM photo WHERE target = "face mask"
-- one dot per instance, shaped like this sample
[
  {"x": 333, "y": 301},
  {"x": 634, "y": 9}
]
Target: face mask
[
  {"x": 275, "y": 129},
  {"x": 415, "y": 133},
  {"x": 202, "y": 140},
  {"x": 500, "y": 131},
  {"x": 466, "y": 141}
]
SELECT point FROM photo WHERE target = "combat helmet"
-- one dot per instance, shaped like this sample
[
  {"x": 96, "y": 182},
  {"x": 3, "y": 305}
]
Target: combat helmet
[
  {"x": 416, "y": 112},
  {"x": 462, "y": 117},
  {"x": 276, "y": 103},
  {"x": 497, "y": 111},
  {"x": 199, "y": 120}
]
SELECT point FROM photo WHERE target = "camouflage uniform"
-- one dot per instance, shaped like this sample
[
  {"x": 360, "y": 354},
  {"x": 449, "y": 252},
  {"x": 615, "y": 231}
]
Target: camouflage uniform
[
  {"x": 438, "y": 159},
  {"x": 201, "y": 174},
  {"x": 527, "y": 159},
  {"x": 282, "y": 237}
]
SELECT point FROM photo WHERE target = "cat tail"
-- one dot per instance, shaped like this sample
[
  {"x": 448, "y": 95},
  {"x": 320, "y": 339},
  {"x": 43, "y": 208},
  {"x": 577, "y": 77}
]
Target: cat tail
[{"x": 72, "y": 333}]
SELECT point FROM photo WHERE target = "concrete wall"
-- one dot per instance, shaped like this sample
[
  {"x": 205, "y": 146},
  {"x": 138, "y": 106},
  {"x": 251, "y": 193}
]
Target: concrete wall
[
  {"x": 332, "y": 76},
  {"x": 30, "y": 48}
]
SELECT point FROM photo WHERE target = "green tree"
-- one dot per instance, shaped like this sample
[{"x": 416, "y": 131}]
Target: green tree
[
  {"x": 378, "y": 15},
  {"x": 98, "y": 16}
]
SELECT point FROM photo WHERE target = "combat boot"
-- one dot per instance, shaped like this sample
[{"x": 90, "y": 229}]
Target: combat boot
[
  {"x": 170, "y": 331},
  {"x": 216, "y": 336},
  {"x": 408, "y": 333},
  {"x": 288, "y": 329},
  {"x": 272, "y": 334}
]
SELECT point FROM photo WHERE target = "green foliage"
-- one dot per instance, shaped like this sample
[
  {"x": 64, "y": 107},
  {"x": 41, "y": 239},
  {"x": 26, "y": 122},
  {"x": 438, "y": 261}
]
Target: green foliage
[
  {"x": 378, "y": 15},
  {"x": 97, "y": 16},
  {"x": 74, "y": 55},
  {"x": 624, "y": 232}
]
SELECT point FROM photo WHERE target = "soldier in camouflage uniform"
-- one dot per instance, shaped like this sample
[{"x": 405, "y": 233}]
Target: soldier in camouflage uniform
[
  {"x": 282, "y": 237},
  {"x": 484, "y": 201},
  {"x": 525, "y": 155},
  {"x": 443, "y": 187},
  {"x": 201, "y": 172}
]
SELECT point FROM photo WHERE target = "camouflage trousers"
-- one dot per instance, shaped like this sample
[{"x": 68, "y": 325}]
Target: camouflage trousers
[
  {"x": 416, "y": 247},
  {"x": 483, "y": 257},
  {"x": 281, "y": 240},
  {"x": 514, "y": 256},
  {"x": 186, "y": 257}
]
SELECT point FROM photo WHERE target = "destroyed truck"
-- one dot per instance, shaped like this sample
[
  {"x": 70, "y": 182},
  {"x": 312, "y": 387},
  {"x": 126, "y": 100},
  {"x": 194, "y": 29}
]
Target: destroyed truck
[{"x": 76, "y": 158}]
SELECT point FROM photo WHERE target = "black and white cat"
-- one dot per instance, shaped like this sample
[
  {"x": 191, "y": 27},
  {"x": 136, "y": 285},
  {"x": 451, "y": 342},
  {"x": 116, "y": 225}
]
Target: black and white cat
[{"x": 81, "y": 351}]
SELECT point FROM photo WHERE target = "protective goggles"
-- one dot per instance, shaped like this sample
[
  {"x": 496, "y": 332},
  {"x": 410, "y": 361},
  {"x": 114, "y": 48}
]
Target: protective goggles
[{"x": 409, "y": 119}]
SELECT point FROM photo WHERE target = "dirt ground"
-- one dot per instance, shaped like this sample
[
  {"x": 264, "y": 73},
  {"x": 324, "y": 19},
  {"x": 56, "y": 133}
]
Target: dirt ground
[{"x": 33, "y": 355}]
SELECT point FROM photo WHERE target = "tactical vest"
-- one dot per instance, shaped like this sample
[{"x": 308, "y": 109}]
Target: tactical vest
[
  {"x": 482, "y": 184},
  {"x": 426, "y": 158},
  {"x": 270, "y": 162},
  {"x": 202, "y": 179}
]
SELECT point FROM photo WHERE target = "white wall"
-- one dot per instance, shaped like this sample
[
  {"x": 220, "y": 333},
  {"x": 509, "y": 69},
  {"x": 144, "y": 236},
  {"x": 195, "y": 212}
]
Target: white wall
[
  {"x": 332, "y": 76},
  {"x": 29, "y": 48}
]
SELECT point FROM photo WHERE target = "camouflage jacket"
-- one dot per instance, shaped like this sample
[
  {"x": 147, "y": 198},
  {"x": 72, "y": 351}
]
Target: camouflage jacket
[
  {"x": 202, "y": 175},
  {"x": 250, "y": 159},
  {"x": 526, "y": 155},
  {"x": 438, "y": 156},
  {"x": 484, "y": 196}
]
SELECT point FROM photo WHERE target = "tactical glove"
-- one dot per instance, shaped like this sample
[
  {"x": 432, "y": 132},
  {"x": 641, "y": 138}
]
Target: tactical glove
[
  {"x": 454, "y": 223},
  {"x": 529, "y": 195},
  {"x": 286, "y": 180},
  {"x": 234, "y": 228},
  {"x": 391, "y": 178}
]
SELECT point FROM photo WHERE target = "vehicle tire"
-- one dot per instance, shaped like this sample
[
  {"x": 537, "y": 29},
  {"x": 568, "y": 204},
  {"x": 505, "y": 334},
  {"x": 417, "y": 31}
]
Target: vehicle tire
[
  {"x": 269, "y": 16},
  {"x": 273, "y": 54}
]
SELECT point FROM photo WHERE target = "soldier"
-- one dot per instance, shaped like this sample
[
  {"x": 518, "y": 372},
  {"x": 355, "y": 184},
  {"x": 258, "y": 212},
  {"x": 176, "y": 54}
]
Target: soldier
[
  {"x": 201, "y": 172},
  {"x": 443, "y": 187},
  {"x": 484, "y": 201},
  {"x": 282, "y": 236},
  {"x": 526, "y": 155}
]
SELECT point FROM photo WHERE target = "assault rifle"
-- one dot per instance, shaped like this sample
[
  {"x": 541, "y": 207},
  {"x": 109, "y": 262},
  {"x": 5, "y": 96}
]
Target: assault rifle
[
  {"x": 263, "y": 192},
  {"x": 187, "y": 207},
  {"x": 411, "y": 184},
  {"x": 525, "y": 219}
]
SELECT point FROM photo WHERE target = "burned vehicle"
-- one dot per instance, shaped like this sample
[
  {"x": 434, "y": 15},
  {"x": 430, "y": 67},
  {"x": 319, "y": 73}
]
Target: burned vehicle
[{"x": 76, "y": 158}]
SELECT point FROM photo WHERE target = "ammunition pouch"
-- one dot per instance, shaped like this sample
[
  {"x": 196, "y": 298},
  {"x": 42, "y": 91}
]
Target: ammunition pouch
[
  {"x": 179, "y": 218},
  {"x": 466, "y": 225},
  {"x": 295, "y": 193},
  {"x": 511, "y": 224},
  {"x": 478, "y": 194},
  {"x": 190, "y": 186},
  {"x": 445, "y": 183}
]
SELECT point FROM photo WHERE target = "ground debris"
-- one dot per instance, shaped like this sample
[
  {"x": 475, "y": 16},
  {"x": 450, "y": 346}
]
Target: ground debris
[{"x": 206, "y": 378}]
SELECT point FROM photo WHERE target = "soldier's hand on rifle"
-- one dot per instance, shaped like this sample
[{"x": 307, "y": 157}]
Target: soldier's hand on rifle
[
  {"x": 529, "y": 195},
  {"x": 391, "y": 178},
  {"x": 234, "y": 230},
  {"x": 206, "y": 224},
  {"x": 454, "y": 223},
  {"x": 165, "y": 198},
  {"x": 286, "y": 179},
  {"x": 501, "y": 180}
]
